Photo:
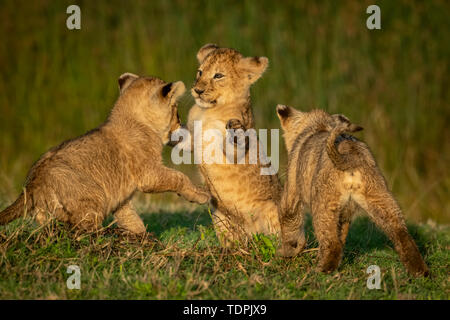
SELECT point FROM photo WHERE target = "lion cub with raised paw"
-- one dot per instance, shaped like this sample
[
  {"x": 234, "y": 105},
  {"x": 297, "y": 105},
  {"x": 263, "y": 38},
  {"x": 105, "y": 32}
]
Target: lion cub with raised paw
[
  {"x": 244, "y": 200},
  {"x": 333, "y": 173},
  {"x": 82, "y": 180}
]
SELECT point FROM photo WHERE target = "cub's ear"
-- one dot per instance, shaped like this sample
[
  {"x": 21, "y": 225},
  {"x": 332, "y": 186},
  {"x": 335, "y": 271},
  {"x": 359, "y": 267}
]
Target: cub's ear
[
  {"x": 283, "y": 111},
  {"x": 341, "y": 120},
  {"x": 125, "y": 80},
  {"x": 204, "y": 51},
  {"x": 173, "y": 89},
  {"x": 253, "y": 67},
  {"x": 354, "y": 128}
]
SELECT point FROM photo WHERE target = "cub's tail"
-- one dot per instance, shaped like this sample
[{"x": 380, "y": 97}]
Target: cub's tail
[
  {"x": 14, "y": 211},
  {"x": 342, "y": 161}
]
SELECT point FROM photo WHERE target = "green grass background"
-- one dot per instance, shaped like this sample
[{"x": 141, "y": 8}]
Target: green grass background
[{"x": 56, "y": 84}]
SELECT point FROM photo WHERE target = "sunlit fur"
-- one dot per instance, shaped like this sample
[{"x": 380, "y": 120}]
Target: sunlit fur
[
  {"x": 82, "y": 180},
  {"x": 333, "y": 174},
  {"x": 244, "y": 200}
]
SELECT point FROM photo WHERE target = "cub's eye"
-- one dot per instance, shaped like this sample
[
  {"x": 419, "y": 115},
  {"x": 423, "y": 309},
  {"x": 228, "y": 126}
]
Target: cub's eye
[
  {"x": 199, "y": 73},
  {"x": 218, "y": 76}
]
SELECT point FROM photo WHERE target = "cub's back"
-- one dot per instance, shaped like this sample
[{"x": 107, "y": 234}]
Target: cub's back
[
  {"x": 89, "y": 159},
  {"x": 306, "y": 157}
]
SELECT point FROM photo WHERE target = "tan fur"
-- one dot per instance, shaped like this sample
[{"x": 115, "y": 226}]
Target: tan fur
[
  {"x": 333, "y": 173},
  {"x": 244, "y": 200},
  {"x": 82, "y": 180}
]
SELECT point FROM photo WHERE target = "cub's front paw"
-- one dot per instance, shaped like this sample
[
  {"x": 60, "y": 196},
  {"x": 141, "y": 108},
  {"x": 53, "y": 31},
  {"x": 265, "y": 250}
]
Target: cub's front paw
[
  {"x": 236, "y": 134},
  {"x": 289, "y": 249},
  {"x": 327, "y": 266},
  {"x": 234, "y": 124},
  {"x": 202, "y": 196}
]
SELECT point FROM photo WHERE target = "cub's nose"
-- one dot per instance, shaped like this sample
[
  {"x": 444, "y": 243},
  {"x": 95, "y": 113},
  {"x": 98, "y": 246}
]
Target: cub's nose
[{"x": 199, "y": 91}]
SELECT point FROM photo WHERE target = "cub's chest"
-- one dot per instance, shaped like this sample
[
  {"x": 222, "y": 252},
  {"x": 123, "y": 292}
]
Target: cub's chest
[{"x": 211, "y": 118}]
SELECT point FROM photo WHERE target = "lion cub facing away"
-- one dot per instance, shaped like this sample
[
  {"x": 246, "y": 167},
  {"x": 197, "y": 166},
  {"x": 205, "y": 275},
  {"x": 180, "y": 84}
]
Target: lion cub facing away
[
  {"x": 333, "y": 173},
  {"x": 82, "y": 180}
]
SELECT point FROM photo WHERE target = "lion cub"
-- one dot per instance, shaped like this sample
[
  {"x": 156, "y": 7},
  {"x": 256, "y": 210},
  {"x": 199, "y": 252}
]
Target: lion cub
[
  {"x": 82, "y": 180},
  {"x": 244, "y": 200},
  {"x": 333, "y": 173}
]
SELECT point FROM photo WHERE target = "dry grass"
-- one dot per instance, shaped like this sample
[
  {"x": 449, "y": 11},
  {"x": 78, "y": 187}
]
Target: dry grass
[
  {"x": 56, "y": 84},
  {"x": 180, "y": 258}
]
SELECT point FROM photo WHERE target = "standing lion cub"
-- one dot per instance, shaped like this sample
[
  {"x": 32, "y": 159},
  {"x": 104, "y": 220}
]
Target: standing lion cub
[
  {"x": 82, "y": 180},
  {"x": 332, "y": 173},
  {"x": 245, "y": 201}
]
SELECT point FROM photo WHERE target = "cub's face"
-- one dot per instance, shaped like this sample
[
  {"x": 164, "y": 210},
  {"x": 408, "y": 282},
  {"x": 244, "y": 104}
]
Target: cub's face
[
  {"x": 151, "y": 101},
  {"x": 224, "y": 75}
]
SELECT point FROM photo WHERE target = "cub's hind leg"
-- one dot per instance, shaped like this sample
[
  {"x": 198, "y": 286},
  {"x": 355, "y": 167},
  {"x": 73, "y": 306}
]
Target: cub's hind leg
[
  {"x": 325, "y": 212},
  {"x": 85, "y": 214},
  {"x": 345, "y": 218},
  {"x": 47, "y": 207},
  {"x": 89, "y": 221},
  {"x": 128, "y": 219},
  {"x": 385, "y": 212}
]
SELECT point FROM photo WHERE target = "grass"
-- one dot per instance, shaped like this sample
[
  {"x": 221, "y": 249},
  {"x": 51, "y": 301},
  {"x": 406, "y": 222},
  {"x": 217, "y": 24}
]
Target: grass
[
  {"x": 56, "y": 84},
  {"x": 182, "y": 260}
]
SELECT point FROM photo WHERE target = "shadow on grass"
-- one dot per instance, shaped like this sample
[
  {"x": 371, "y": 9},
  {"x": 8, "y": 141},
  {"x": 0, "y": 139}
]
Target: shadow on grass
[
  {"x": 163, "y": 220},
  {"x": 365, "y": 237}
]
